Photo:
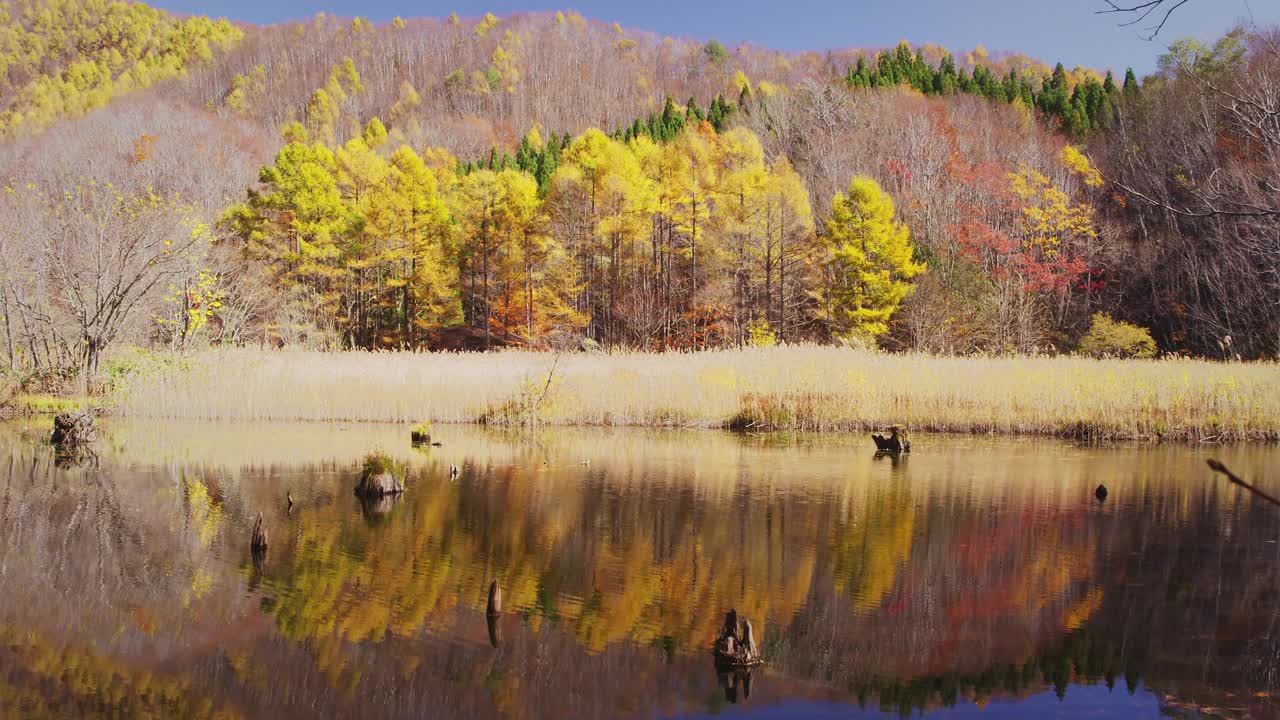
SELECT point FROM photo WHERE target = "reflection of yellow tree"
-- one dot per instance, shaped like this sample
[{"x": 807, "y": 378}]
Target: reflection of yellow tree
[
  {"x": 203, "y": 512},
  {"x": 1057, "y": 561},
  {"x": 871, "y": 544},
  {"x": 78, "y": 683},
  {"x": 349, "y": 583}
]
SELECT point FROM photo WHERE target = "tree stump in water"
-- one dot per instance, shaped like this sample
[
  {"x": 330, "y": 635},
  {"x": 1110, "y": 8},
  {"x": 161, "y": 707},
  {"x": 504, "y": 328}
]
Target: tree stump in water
[
  {"x": 420, "y": 434},
  {"x": 495, "y": 599},
  {"x": 896, "y": 443},
  {"x": 73, "y": 428},
  {"x": 736, "y": 647},
  {"x": 258, "y": 540},
  {"x": 379, "y": 478},
  {"x": 749, "y": 640}
]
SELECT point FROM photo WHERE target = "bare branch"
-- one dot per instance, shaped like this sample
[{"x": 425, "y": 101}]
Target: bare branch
[{"x": 1162, "y": 9}]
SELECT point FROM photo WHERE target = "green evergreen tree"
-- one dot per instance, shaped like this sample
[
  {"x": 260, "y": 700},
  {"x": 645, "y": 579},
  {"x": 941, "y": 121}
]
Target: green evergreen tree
[
  {"x": 693, "y": 113},
  {"x": 1130, "y": 83}
]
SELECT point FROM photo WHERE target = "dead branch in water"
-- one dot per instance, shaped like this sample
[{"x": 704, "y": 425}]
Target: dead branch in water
[{"x": 1235, "y": 480}]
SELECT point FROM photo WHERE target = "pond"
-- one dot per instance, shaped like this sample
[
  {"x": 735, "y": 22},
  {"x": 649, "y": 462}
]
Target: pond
[{"x": 976, "y": 576}]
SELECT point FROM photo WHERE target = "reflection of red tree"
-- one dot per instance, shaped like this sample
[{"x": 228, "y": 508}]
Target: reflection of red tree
[{"x": 1009, "y": 573}]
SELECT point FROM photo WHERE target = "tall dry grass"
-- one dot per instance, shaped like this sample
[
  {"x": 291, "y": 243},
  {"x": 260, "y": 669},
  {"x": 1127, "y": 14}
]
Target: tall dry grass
[{"x": 807, "y": 388}]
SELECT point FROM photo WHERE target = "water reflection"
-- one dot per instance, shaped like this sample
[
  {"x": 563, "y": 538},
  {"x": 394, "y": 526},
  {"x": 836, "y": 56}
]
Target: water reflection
[{"x": 971, "y": 570}]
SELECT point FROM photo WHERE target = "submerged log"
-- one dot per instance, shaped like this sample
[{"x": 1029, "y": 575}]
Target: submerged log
[{"x": 73, "y": 428}]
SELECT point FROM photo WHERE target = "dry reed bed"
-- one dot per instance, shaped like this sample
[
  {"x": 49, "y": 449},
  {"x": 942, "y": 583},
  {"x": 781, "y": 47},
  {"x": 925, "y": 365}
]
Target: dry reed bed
[{"x": 806, "y": 388}]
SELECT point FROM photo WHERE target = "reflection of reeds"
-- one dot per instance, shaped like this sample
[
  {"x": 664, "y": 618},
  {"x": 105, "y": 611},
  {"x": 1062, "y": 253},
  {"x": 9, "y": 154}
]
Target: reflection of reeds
[{"x": 808, "y": 388}]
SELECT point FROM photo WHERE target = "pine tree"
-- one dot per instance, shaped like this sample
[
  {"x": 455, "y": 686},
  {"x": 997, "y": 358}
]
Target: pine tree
[
  {"x": 871, "y": 260},
  {"x": 692, "y": 113},
  {"x": 1109, "y": 85},
  {"x": 1131, "y": 87}
]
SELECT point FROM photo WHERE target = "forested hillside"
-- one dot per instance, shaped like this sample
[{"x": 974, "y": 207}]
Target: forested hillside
[{"x": 540, "y": 179}]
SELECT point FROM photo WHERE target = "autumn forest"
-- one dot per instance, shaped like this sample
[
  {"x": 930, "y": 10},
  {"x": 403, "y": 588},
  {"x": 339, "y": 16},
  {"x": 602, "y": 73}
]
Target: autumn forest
[
  {"x": 548, "y": 181},
  {"x": 524, "y": 366}
]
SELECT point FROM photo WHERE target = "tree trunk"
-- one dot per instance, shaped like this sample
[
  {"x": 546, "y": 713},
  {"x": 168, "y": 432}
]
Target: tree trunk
[
  {"x": 782, "y": 275},
  {"x": 488, "y": 310},
  {"x": 8, "y": 330},
  {"x": 89, "y": 361}
]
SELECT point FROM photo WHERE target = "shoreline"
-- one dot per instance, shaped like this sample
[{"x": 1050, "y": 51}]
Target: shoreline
[
  {"x": 789, "y": 388},
  {"x": 1085, "y": 436}
]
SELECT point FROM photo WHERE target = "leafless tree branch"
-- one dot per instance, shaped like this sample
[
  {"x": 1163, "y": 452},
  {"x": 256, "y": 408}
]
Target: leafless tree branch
[{"x": 1161, "y": 9}]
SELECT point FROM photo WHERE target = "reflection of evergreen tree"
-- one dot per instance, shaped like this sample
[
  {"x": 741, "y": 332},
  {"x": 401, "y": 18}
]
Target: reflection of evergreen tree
[{"x": 1083, "y": 659}]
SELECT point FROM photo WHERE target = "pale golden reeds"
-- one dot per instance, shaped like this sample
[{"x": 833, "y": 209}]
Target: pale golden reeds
[{"x": 799, "y": 387}]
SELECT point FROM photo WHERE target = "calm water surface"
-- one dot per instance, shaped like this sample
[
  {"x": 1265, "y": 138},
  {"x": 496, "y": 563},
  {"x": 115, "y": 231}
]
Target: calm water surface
[{"x": 977, "y": 577}]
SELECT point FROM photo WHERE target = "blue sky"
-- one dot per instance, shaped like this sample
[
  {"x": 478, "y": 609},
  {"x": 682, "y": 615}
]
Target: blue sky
[{"x": 1052, "y": 30}]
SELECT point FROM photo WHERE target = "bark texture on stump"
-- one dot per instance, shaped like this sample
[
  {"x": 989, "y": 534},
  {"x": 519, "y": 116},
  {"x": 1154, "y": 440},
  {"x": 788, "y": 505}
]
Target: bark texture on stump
[
  {"x": 73, "y": 428},
  {"x": 379, "y": 484},
  {"x": 258, "y": 540}
]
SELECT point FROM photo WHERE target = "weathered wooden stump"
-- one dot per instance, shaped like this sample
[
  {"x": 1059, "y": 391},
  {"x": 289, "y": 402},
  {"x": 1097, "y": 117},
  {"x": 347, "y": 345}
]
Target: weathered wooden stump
[
  {"x": 896, "y": 443},
  {"x": 495, "y": 599},
  {"x": 375, "y": 486},
  {"x": 749, "y": 641},
  {"x": 258, "y": 540},
  {"x": 735, "y": 647},
  {"x": 380, "y": 477},
  {"x": 73, "y": 428}
]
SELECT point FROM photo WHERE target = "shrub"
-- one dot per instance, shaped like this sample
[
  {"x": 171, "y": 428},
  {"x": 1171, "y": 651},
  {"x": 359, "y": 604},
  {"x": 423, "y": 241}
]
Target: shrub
[
  {"x": 1108, "y": 337},
  {"x": 715, "y": 52},
  {"x": 760, "y": 334},
  {"x": 380, "y": 463}
]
